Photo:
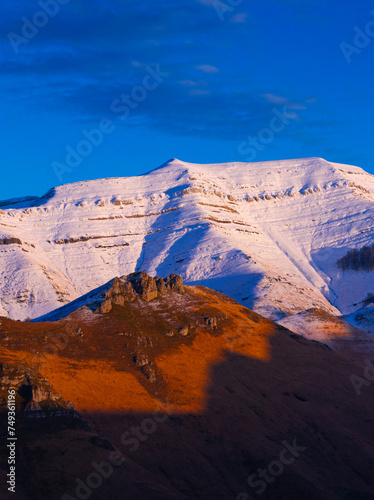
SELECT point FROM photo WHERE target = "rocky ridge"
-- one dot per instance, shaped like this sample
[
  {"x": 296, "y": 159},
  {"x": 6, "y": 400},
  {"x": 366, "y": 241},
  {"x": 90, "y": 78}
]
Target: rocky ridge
[
  {"x": 129, "y": 288},
  {"x": 119, "y": 291}
]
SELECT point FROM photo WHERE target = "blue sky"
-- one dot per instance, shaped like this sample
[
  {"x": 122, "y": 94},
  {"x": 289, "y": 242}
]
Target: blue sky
[{"x": 200, "y": 80}]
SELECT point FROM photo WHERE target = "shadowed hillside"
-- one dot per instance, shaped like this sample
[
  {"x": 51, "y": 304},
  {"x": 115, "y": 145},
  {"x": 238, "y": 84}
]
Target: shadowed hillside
[{"x": 197, "y": 394}]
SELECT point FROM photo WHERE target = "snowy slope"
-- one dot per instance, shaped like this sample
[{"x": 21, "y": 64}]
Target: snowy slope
[
  {"x": 363, "y": 319},
  {"x": 321, "y": 326},
  {"x": 268, "y": 234}
]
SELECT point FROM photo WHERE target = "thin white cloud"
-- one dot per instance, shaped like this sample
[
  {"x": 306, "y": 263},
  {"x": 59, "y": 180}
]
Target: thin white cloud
[
  {"x": 276, "y": 99},
  {"x": 188, "y": 83},
  {"x": 206, "y": 68},
  {"x": 292, "y": 115}
]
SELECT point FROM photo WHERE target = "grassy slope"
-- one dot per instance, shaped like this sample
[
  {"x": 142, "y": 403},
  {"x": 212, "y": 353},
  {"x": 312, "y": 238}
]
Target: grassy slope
[{"x": 229, "y": 396}]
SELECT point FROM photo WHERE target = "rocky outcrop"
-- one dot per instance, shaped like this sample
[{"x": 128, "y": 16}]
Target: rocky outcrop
[
  {"x": 146, "y": 365},
  {"x": 104, "y": 307},
  {"x": 210, "y": 321},
  {"x": 150, "y": 373},
  {"x": 144, "y": 341},
  {"x": 120, "y": 292},
  {"x": 141, "y": 359},
  {"x": 175, "y": 283},
  {"x": 37, "y": 391},
  {"x": 41, "y": 393},
  {"x": 35, "y": 396},
  {"x": 10, "y": 241},
  {"x": 138, "y": 285},
  {"x": 183, "y": 330},
  {"x": 161, "y": 287},
  {"x": 144, "y": 285}
]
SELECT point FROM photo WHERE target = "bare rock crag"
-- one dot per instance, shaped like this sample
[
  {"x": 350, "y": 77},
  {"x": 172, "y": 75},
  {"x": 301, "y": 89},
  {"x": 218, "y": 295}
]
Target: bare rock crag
[{"x": 139, "y": 285}]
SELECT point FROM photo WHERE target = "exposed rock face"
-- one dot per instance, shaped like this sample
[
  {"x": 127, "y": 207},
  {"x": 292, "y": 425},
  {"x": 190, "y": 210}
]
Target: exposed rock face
[
  {"x": 146, "y": 365},
  {"x": 141, "y": 359},
  {"x": 138, "y": 285},
  {"x": 10, "y": 241},
  {"x": 144, "y": 341},
  {"x": 122, "y": 287},
  {"x": 35, "y": 396},
  {"x": 150, "y": 373},
  {"x": 118, "y": 291},
  {"x": 183, "y": 330},
  {"x": 161, "y": 287},
  {"x": 175, "y": 283},
  {"x": 40, "y": 393},
  {"x": 210, "y": 321},
  {"x": 144, "y": 285},
  {"x": 105, "y": 307},
  {"x": 37, "y": 392}
]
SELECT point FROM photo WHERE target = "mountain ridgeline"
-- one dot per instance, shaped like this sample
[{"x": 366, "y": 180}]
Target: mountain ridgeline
[{"x": 268, "y": 234}]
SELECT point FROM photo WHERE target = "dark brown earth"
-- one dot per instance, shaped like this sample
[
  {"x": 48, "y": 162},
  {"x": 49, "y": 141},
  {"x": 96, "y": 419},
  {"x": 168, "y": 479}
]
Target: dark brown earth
[{"x": 194, "y": 392}]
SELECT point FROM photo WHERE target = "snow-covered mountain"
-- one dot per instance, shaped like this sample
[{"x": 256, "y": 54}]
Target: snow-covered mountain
[{"x": 268, "y": 234}]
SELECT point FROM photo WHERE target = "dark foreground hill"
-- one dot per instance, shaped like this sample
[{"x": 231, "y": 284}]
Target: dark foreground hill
[{"x": 149, "y": 389}]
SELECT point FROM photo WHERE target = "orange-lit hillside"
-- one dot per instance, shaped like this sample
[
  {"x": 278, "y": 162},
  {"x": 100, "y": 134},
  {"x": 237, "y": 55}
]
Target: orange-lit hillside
[{"x": 227, "y": 385}]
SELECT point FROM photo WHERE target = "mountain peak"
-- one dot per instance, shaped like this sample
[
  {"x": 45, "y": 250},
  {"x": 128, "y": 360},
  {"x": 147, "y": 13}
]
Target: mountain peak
[
  {"x": 119, "y": 291},
  {"x": 254, "y": 231}
]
